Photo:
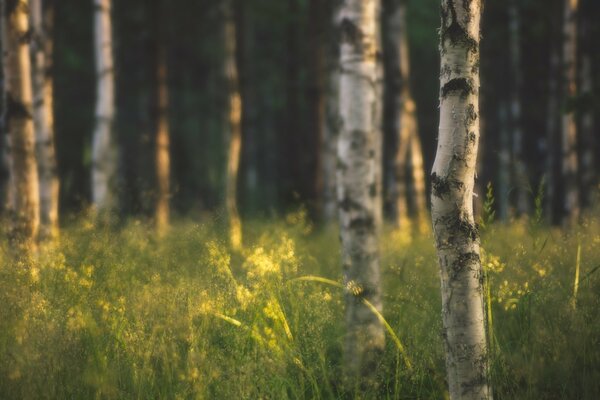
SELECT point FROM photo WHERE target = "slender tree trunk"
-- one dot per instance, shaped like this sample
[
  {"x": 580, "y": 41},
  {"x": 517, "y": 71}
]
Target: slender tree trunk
[
  {"x": 162, "y": 134},
  {"x": 569, "y": 126},
  {"x": 316, "y": 97},
  {"x": 456, "y": 235},
  {"x": 417, "y": 168},
  {"x": 520, "y": 169},
  {"x": 248, "y": 77},
  {"x": 19, "y": 121},
  {"x": 103, "y": 143},
  {"x": 589, "y": 176},
  {"x": 331, "y": 121},
  {"x": 503, "y": 189},
  {"x": 357, "y": 187},
  {"x": 398, "y": 110},
  {"x": 42, "y": 21},
  {"x": 234, "y": 125},
  {"x": 552, "y": 134}
]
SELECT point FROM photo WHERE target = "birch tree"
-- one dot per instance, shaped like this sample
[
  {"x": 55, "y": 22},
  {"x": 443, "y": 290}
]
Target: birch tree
[
  {"x": 568, "y": 124},
  {"x": 357, "y": 186},
  {"x": 103, "y": 142},
  {"x": 19, "y": 121},
  {"x": 233, "y": 117},
  {"x": 455, "y": 231},
  {"x": 42, "y": 19}
]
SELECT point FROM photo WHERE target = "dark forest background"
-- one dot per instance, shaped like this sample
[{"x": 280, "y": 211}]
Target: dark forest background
[{"x": 274, "y": 53}]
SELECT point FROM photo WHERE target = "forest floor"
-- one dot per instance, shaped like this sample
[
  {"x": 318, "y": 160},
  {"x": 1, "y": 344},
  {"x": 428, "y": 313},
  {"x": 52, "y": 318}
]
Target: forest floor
[{"x": 121, "y": 314}]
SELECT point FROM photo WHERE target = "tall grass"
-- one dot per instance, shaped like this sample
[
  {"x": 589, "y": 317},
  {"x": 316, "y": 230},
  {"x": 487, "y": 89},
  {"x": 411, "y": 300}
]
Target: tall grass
[{"x": 119, "y": 314}]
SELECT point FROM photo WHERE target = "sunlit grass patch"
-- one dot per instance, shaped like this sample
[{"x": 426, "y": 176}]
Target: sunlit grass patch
[{"x": 120, "y": 314}]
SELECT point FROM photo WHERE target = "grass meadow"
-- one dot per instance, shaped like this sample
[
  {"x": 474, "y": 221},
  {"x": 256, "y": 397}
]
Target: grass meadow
[{"x": 118, "y": 313}]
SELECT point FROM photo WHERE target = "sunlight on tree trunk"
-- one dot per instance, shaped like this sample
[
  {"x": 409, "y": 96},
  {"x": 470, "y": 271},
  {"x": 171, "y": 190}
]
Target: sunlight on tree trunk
[
  {"x": 163, "y": 159},
  {"x": 42, "y": 20},
  {"x": 357, "y": 188},
  {"x": 569, "y": 124},
  {"x": 103, "y": 145},
  {"x": 19, "y": 122},
  {"x": 456, "y": 234},
  {"x": 402, "y": 120},
  {"x": 553, "y": 111},
  {"x": 234, "y": 126},
  {"x": 162, "y": 138}
]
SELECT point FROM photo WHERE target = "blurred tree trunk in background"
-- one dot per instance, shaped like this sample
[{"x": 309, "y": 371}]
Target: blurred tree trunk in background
[
  {"x": 520, "y": 176},
  {"x": 405, "y": 153},
  {"x": 104, "y": 158},
  {"x": 589, "y": 175},
  {"x": 162, "y": 131},
  {"x": 331, "y": 120},
  {"x": 317, "y": 22},
  {"x": 552, "y": 118},
  {"x": 233, "y": 116},
  {"x": 19, "y": 121},
  {"x": 357, "y": 168},
  {"x": 42, "y": 21},
  {"x": 456, "y": 234},
  {"x": 504, "y": 167},
  {"x": 250, "y": 117},
  {"x": 571, "y": 201}
]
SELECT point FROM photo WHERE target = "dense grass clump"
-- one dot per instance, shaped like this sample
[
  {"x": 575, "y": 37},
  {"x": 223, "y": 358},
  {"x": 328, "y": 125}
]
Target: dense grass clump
[{"x": 121, "y": 314}]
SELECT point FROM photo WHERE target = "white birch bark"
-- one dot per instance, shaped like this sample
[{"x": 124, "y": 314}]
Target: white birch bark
[
  {"x": 519, "y": 167},
  {"x": 357, "y": 187},
  {"x": 455, "y": 231},
  {"x": 568, "y": 124},
  {"x": 43, "y": 116},
  {"x": 103, "y": 141},
  {"x": 19, "y": 122},
  {"x": 233, "y": 122}
]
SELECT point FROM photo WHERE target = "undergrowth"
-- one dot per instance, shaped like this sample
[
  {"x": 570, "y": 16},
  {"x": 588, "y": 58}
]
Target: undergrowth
[{"x": 121, "y": 314}]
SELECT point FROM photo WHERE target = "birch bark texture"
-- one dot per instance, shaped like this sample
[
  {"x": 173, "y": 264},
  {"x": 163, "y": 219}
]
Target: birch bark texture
[
  {"x": 42, "y": 19},
  {"x": 357, "y": 186},
  {"x": 19, "y": 121},
  {"x": 104, "y": 157},
  {"x": 455, "y": 231},
  {"x": 571, "y": 206},
  {"x": 233, "y": 115}
]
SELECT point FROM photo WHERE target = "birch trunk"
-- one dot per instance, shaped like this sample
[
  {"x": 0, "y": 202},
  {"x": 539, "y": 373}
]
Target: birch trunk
[
  {"x": 42, "y": 19},
  {"x": 103, "y": 141},
  {"x": 234, "y": 126},
  {"x": 357, "y": 187},
  {"x": 456, "y": 234},
  {"x": 568, "y": 123},
  {"x": 19, "y": 122},
  {"x": 519, "y": 167}
]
